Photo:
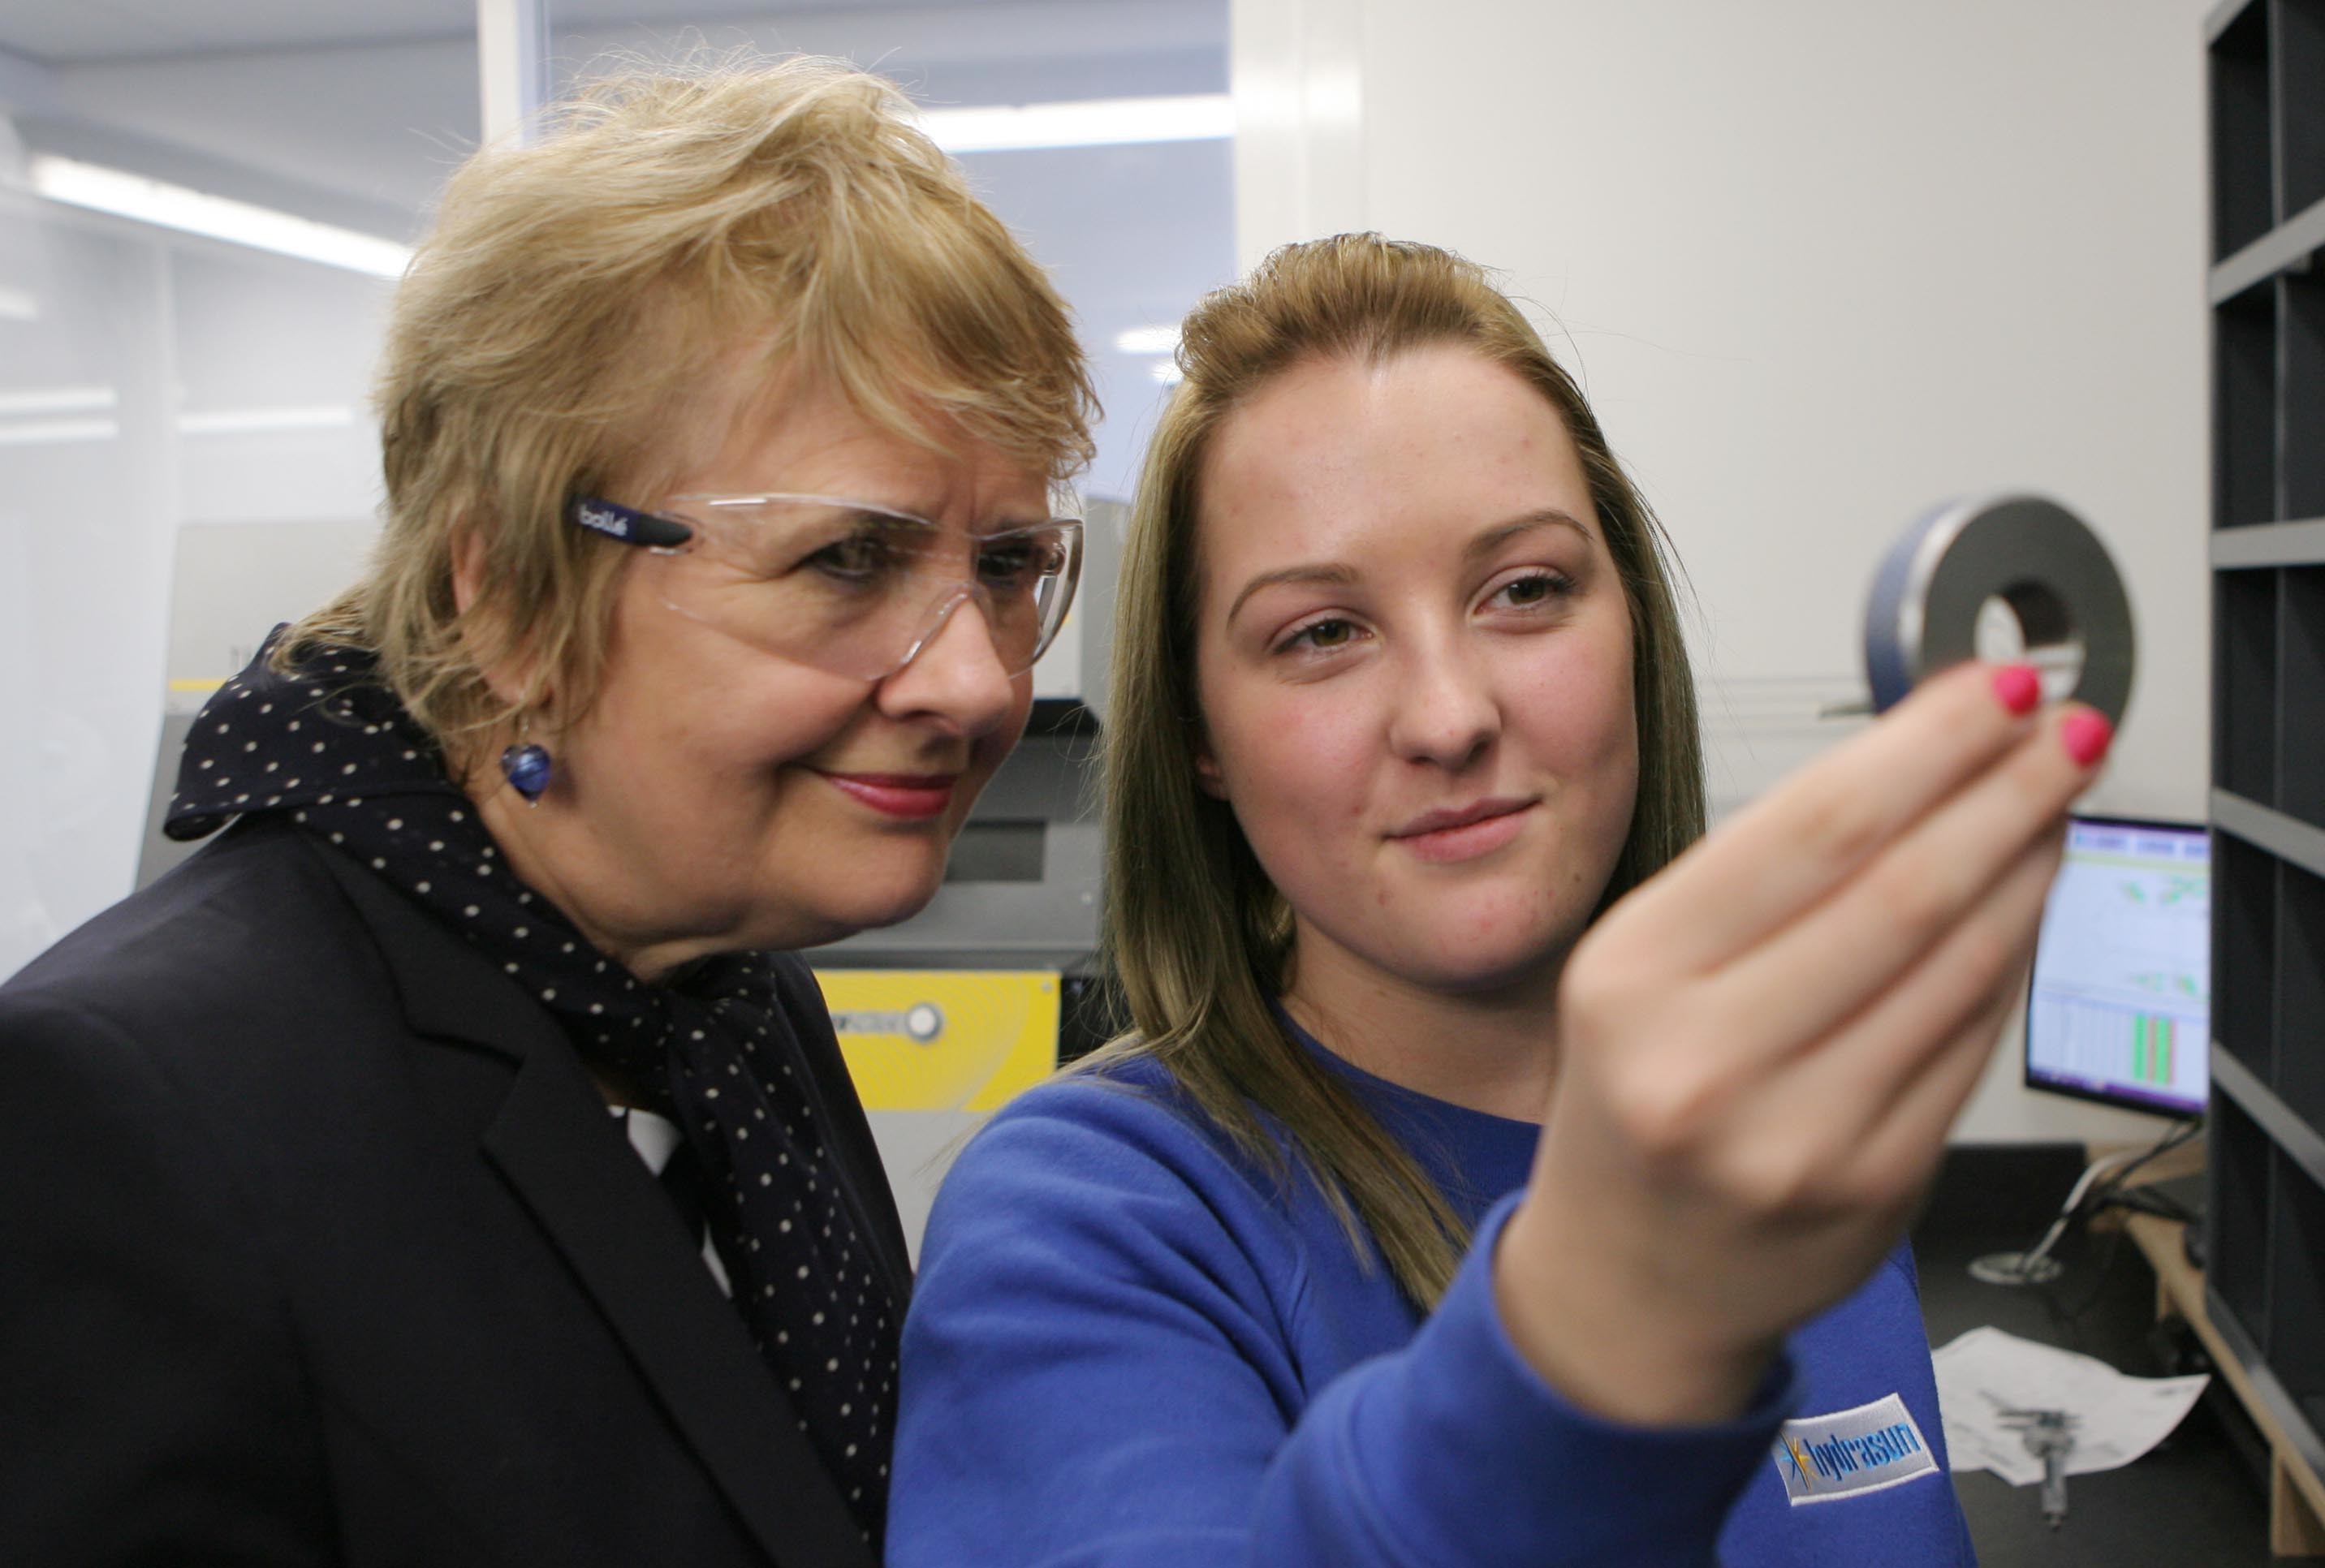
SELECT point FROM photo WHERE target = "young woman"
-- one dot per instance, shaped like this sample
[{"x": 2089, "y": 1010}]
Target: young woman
[{"x": 1411, "y": 1224}]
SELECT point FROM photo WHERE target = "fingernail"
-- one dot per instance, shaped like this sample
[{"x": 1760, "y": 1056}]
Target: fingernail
[
  {"x": 2086, "y": 736},
  {"x": 2018, "y": 687}
]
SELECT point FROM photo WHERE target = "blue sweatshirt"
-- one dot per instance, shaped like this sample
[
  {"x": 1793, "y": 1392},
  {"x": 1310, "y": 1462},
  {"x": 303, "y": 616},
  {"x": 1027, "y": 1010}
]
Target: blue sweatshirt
[{"x": 1128, "y": 1346}]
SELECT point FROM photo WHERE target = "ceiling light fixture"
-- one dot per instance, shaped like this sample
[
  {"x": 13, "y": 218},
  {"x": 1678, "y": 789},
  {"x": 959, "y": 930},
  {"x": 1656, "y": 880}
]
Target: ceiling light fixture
[
  {"x": 153, "y": 201},
  {"x": 59, "y": 400},
  {"x": 267, "y": 422},
  {"x": 1147, "y": 340},
  {"x": 997, "y": 128},
  {"x": 49, "y": 432}
]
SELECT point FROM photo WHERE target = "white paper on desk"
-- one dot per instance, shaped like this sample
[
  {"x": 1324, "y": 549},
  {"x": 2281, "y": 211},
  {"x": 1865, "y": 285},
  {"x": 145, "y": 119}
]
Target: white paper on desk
[{"x": 1986, "y": 1372}]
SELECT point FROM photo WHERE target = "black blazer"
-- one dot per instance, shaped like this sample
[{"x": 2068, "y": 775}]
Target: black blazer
[{"x": 318, "y": 1245}]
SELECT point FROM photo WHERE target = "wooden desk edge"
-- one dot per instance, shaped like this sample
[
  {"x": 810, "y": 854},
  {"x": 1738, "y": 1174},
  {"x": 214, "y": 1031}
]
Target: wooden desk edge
[{"x": 2296, "y": 1494}]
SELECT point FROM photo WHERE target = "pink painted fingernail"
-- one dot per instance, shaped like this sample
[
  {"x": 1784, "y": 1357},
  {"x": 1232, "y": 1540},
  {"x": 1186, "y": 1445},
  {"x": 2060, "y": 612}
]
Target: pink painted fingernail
[
  {"x": 2018, "y": 687},
  {"x": 2086, "y": 736}
]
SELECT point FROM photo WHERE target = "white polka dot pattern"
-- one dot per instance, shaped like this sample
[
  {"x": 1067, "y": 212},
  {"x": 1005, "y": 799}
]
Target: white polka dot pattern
[{"x": 712, "y": 1051}]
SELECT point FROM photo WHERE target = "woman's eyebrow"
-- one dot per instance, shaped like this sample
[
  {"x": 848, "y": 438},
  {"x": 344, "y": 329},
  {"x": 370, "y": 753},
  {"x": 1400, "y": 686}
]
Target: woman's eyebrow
[
  {"x": 1484, "y": 544},
  {"x": 1332, "y": 574},
  {"x": 1493, "y": 539}
]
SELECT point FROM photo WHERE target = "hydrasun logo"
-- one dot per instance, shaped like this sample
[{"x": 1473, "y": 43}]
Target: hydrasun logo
[{"x": 1874, "y": 1447}]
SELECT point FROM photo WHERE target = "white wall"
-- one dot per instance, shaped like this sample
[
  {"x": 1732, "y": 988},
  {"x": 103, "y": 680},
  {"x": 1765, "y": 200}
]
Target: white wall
[{"x": 1820, "y": 264}]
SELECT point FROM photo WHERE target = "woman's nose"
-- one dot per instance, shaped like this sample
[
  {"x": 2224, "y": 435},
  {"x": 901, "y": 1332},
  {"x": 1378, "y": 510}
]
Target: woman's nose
[
  {"x": 1446, "y": 712},
  {"x": 957, "y": 674}
]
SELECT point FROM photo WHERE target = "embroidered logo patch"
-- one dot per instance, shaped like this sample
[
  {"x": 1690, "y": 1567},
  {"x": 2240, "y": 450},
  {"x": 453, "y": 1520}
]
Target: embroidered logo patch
[{"x": 1823, "y": 1457}]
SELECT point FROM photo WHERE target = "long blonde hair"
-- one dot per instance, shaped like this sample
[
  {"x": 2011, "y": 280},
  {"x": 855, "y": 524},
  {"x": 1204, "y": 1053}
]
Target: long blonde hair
[
  {"x": 1196, "y": 937},
  {"x": 585, "y": 307}
]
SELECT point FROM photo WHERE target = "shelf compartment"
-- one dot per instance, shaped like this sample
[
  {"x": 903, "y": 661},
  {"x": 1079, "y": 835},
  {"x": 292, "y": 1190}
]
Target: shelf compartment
[
  {"x": 2243, "y": 955},
  {"x": 2301, "y": 395},
  {"x": 2244, "y": 410},
  {"x": 2297, "y": 51},
  {"x": 2295, "y": 1140},
  {"x": 2300, "y": 695},
  {"x": 2243, "y": 179},
  {"x": 2244, "y": 684},
  {"x": 2242, "y": 1165},
  {"x": 2296, "y": 1292},
  {"x": 2299, "y": 1055}
]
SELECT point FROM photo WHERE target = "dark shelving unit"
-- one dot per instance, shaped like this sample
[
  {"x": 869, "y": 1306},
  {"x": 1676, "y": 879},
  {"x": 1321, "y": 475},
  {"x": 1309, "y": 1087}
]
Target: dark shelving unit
[
  {"x": 2243, "y": 942},
  {"x": 2298, "y": 1076},
  {"x": 2244, "y": 402},
  {"x": 2244, "y": 677},
  {"x": 2265, "y": 1220}
]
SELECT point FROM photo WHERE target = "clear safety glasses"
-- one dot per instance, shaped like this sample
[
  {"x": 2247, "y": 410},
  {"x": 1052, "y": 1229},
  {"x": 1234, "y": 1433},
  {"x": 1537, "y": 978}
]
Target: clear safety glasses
[{"x": 847, "y": 586}]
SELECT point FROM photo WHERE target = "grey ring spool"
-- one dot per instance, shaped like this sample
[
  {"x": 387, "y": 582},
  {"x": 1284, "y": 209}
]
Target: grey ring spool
[{"x": 2031, "y": 553}]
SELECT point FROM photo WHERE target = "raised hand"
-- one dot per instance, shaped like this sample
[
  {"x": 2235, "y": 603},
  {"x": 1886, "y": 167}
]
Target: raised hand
[{"x": 1761, "y": 1050}]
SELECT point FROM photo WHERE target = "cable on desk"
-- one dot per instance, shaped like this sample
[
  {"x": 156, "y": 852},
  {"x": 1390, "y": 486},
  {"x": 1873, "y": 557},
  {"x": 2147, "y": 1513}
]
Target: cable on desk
[{"x": 2035, "y": 1266}]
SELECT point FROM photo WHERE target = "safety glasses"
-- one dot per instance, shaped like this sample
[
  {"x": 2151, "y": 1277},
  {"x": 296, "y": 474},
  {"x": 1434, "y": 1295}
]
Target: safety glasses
[{"x": 847, "y": 587}]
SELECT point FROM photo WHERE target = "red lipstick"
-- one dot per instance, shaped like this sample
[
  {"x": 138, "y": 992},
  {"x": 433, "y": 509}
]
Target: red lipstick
[{"x": 913, "y": 797}]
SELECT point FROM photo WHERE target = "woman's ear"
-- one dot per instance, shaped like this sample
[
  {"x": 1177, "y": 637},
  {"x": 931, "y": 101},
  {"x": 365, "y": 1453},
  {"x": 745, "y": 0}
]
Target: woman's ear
[
  {"x": 506, "y": 673},
  {"x": 467, "y": 569},
  {"x": 1208, "y": 777}
]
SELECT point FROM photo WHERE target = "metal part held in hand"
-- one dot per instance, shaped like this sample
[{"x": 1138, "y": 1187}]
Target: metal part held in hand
[
  {"x": 2024, "y": 554},
  {"x": 2049, "y": 1436}
]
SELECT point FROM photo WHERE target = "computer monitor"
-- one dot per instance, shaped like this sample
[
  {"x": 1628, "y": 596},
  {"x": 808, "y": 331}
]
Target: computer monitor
[{"x": 2120, "y": 1009}]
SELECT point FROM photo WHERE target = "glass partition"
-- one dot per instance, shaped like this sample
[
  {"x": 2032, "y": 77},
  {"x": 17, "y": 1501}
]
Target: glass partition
[{"x": 200, "y": 216}]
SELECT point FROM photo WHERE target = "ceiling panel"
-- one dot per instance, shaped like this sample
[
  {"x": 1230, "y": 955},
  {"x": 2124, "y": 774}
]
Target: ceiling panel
[
  {"x": 77, "y": 31},
  {"x": 95, "y": 29}
]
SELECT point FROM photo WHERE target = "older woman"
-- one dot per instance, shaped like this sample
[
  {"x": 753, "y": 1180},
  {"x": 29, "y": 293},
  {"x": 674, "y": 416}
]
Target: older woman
[{"x": 721, "y": 434}]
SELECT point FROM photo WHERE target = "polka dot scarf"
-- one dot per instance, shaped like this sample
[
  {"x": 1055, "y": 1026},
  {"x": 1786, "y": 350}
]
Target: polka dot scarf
[{"x": 332, "y": 749}]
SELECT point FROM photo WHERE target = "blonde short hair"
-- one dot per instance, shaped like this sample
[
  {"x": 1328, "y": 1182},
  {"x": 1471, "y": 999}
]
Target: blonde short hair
[
  {"x": 1197, "y": 935},
  {"x": 582, "y": 303}
]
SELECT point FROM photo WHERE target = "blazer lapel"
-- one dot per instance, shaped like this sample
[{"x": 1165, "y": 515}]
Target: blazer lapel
[
  {"x": 613, "y": 1227},
  {"x": 569, "y": 1164}
]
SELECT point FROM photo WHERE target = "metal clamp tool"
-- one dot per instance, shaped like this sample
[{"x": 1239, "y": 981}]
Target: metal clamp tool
[{"x": 2049, "y": 1436}]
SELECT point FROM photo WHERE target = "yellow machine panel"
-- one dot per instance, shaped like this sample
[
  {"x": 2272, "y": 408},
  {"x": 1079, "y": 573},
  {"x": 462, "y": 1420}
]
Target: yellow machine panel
[{"x": 943, "y": 1039}]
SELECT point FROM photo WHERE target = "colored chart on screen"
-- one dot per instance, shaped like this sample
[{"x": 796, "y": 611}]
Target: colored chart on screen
[{"x": 2121, "y": 1004}]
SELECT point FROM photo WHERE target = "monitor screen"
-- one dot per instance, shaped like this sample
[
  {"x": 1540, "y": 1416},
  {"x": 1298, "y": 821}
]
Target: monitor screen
[{"x": 2121, "y": 1005}]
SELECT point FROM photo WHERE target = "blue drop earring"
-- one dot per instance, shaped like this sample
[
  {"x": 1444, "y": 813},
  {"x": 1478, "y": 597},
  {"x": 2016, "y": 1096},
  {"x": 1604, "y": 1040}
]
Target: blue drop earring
[{"x": 526, "y": 765}]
